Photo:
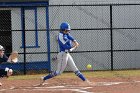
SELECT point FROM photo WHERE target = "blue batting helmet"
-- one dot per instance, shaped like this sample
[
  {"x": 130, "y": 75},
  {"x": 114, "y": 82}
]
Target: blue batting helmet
[{"x": 65, "y": 26}]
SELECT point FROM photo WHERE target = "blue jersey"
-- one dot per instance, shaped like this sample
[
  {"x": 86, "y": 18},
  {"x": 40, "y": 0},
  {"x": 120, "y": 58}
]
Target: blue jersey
[{"x": 64, "y": 41}]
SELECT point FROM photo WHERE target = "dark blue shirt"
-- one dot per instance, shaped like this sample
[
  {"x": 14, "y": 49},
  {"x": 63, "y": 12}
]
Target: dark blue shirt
[{"x": 3, "y": 59}]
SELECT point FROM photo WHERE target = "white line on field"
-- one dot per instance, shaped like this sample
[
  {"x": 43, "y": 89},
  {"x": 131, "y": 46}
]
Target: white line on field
[
  {"x": 75, "y": 88},
  {"x": 136, "y": 81},
  {"x": 109, "y": 83},
  {"x": 2, "y": 89},
  {"x": 56, "y": 87}
]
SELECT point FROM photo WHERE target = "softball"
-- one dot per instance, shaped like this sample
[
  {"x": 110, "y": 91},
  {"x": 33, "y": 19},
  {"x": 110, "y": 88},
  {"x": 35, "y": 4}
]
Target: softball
[{"x": 89, "y": 66}]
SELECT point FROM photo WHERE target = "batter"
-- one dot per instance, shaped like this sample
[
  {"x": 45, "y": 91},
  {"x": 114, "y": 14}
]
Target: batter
[{"x": 66, "y": 44}]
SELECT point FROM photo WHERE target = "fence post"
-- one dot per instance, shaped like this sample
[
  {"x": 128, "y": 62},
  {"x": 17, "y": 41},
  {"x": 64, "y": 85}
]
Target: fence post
[
  {"x": 111, "y": 37},
  {"x": 24, "y": 38},
  {"x": 48, "y": 37}
]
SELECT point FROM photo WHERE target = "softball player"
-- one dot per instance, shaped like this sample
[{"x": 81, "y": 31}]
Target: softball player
[
  {"x": 66, "y": 44},
  {"x": 4, "y": 72}
]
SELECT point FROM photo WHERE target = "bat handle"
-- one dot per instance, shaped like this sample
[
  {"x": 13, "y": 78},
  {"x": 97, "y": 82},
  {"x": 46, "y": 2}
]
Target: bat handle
[{"x": 72, "y": 49}]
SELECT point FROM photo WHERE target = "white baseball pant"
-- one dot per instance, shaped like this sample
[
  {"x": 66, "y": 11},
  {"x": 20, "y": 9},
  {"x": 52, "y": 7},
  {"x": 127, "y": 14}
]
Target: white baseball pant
[{"x": 63, "y": 59}]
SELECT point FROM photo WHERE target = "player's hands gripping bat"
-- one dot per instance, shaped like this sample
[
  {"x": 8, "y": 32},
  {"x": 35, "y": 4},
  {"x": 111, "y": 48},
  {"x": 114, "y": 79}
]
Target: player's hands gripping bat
[
  {"x": 72, "y": 49},
  {"x": 13, "y": 58},
  {"x": 76, "y": 44}
]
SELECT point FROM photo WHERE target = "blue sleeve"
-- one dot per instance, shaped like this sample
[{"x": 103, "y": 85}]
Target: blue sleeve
[
  {"x": 70, "y": 37},
  {"x": 64, "y": 42},
  {"x": 65, "y": 46}
]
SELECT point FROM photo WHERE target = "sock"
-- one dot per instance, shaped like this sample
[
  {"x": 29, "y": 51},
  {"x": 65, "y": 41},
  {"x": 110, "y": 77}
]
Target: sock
[
  {"x": 80, "y": 75},
  {"x": 48, "y": 77},
  {"x": 51, "y": 75}
]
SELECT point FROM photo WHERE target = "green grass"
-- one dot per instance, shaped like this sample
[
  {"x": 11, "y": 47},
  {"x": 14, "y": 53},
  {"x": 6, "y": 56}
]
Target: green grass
[
  {"x": 110, "y": 74},
  {"x": 88, "y": 74}
]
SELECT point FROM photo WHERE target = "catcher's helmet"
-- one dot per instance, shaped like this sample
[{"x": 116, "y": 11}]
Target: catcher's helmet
[
  {"x": 65, "y": 26},
  {"x": 1, "y": 47}
]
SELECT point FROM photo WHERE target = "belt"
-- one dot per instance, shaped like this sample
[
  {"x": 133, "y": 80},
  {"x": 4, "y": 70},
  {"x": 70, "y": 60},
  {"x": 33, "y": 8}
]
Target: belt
[{"x": 64, "y": 51}]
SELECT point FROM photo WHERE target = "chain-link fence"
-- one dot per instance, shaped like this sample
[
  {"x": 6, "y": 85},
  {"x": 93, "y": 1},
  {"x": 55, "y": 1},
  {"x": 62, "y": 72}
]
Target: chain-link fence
[
  {"x": 108, "y": 34},
  {"x": 24, "y": 28}
]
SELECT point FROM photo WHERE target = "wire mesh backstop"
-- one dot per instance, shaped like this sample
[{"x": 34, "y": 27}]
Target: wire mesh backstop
[
  {"x": 108, "y": 35},
  {"x": 24, "y": 28}
]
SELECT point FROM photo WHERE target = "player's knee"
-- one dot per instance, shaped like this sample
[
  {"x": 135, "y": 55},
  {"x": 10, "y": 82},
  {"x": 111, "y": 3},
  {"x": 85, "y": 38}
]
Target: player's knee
[
  {"x": 9, "y": 72},
  {"x": 6, "y": 72}
]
